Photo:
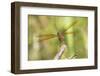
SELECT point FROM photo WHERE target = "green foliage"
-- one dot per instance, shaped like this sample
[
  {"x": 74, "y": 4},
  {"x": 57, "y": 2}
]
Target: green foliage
[{"x": 47, "y": 49}]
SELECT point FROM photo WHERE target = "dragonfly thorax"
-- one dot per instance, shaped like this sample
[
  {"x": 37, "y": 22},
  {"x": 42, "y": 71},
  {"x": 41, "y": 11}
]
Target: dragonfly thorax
[{"x": 60, "y": 36}]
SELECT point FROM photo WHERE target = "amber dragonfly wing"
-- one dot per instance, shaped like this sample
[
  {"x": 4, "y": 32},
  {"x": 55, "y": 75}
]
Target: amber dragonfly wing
[
  {"x": 68, "y": 33},
  {"x": 72, "y": 24},
  {"x": 46, "y": 36}
]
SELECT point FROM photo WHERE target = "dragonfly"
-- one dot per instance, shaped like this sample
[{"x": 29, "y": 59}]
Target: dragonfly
[{"x": 60, "y": 36}]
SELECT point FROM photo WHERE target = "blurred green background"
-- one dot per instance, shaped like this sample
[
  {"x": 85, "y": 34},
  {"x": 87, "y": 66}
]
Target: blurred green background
[{"x": 47, "y": 49}]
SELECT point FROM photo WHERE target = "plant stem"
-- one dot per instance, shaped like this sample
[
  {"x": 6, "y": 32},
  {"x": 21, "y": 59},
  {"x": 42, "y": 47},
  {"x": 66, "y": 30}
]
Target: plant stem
[{"x": 59, "y": 54}]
